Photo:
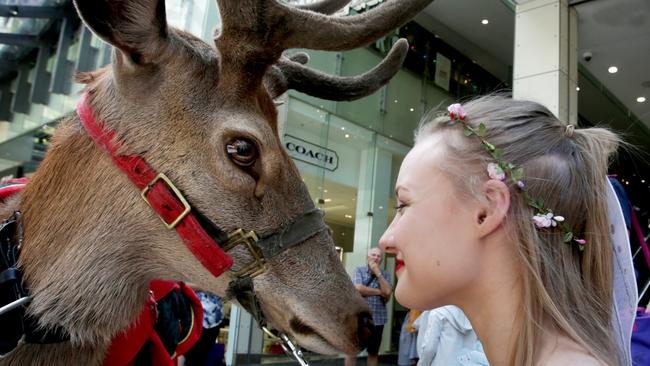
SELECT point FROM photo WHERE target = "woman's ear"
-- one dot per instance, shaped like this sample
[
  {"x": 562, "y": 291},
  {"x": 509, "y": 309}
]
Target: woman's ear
[{"x": 495, "y": 204}]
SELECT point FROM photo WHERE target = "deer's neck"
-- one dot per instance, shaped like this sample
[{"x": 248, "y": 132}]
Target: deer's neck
[{"x": 88, "y": 255}]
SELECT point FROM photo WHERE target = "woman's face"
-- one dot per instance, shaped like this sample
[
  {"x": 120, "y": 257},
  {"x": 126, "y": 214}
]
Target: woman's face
[{"x": 432, "y": 232}]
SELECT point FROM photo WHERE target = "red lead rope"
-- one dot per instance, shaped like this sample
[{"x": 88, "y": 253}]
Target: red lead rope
[
  {"x": 126, "y": 345},
  {"x": 160, "y": 193}
]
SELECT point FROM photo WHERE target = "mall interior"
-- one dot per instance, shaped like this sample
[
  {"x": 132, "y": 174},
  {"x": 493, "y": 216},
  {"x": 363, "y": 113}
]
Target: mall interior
[{"x": 587, "y": 60}]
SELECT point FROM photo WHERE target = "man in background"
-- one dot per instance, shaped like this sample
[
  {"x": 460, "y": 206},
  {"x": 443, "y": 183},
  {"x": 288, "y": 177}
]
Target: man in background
[{"x": 376, "y": 287}]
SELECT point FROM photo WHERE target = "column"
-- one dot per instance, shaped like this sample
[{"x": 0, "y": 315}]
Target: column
[
  {"x": 244, "y": 336},
  {"x": 372, "y": 216},
  {"x": 545, "y": 62}
]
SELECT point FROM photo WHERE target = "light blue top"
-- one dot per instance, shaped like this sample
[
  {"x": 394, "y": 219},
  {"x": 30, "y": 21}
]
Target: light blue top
[{"x": 446, "y": 338}]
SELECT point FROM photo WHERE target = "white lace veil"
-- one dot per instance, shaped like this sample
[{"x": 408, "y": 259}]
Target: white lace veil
[{"x": 625, "y": 290}]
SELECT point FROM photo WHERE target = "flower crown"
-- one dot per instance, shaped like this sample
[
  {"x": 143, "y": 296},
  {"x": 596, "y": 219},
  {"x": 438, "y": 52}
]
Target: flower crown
[{"x": 544, "y": 217}]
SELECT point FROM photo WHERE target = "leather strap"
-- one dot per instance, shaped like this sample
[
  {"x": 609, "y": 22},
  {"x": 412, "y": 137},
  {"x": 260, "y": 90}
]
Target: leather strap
[
  {"x": 160, "y": 196},
  {"x": 301, "y": 229}
]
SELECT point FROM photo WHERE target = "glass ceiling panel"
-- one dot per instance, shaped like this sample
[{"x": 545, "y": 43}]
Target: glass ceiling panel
[
  {"x": 22, "y": 25},
  {"x": 18, "y": 25},
  {"x": 32, "y": 2}
]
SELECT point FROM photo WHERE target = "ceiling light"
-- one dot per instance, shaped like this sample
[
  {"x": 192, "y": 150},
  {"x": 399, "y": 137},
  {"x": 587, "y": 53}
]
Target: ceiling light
[
  {"x": 612, "y": 69},
  {"x": 325, "y": 191},
  {"x": 327, "y": 200},
  {"x": 395, "y": 100},
  {"x": 348, "y": 216},
  {"x": 342, "y": 128},
  {"x": 640, "y": 99},
  {"x": 347, "y": 136},
  {"x": 485, "y": 21},
  {"x": 412, "y": 109},
  {"x": 577, "y": 88}
]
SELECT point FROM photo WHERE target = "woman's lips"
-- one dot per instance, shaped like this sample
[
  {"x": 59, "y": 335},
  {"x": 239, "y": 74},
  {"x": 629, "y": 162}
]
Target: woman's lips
[{"x": 399, "y": 264}]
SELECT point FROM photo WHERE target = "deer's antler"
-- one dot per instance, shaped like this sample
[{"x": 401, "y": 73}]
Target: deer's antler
[
  {"x": 256, "y": 32},
  {"x": 291, "y": 74}
]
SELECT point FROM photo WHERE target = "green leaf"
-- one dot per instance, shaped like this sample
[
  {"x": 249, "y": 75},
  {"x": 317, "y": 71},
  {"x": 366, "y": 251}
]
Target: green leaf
[
  {"x": 468, "y": 131},
  {"x": 482, "y": 130},
  {"x": 511, "y": 166},
  {"x": 497, "y": 154},
  {"x": 568, "y": 237},
  {"x": 518, "y": 174},
  {"x": 490, "y": 147}
]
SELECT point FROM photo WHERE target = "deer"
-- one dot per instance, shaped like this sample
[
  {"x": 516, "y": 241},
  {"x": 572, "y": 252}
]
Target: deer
[{"x": 200, "y": 122}]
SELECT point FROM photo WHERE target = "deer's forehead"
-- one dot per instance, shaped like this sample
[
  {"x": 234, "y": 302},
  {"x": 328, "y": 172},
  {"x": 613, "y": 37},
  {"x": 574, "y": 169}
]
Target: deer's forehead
[
  {"x": 194, "y": 48},
  {"x": 245, "y": 122}
]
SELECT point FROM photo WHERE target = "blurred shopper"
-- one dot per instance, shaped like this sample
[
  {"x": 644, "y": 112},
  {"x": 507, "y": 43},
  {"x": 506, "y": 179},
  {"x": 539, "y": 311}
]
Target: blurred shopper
[
  {"x": 446, "y": 338},
  {"x": 205, "y": 347},
  {"x": 408, "y": 352},
  {"x": 376, "y": 286}
]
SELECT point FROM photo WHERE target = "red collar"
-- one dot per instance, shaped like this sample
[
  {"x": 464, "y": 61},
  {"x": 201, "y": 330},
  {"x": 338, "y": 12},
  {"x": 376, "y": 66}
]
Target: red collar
[{"x": 159, "y": 193}]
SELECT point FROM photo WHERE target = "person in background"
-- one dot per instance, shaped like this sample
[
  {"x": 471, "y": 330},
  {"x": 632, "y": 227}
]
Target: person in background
[
  {"x": 446, "y": 338},
  {"x": 212, "y": 319},
  {"x": 375, "y": 286},
  {"x": 408, "y": 352},
  {"x": 503, "y": 211}
]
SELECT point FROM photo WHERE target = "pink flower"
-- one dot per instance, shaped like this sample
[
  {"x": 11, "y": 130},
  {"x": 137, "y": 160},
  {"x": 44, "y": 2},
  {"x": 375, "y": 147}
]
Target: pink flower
[
  {"x": 456, "y": 111},
  {"x": 543, "y": 220},
  {"x": 521, "y": 184},
  {"x": 580, "y": 241},
  {"x": 495, "y": 172}
]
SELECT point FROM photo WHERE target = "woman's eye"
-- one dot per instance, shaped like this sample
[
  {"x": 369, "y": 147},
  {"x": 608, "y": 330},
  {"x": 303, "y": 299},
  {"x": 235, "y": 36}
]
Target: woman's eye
[
  {"x": 400, "y": 207},
  {"x": 242, "y": 152}
]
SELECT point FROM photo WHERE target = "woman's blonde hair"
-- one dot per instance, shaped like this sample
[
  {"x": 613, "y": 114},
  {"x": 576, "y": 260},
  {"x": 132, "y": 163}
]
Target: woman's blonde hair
[{"x": 567, "y": 169}]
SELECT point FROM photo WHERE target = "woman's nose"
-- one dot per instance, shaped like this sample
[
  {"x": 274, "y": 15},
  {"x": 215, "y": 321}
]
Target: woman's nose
[{"x": 386, "y": 242}]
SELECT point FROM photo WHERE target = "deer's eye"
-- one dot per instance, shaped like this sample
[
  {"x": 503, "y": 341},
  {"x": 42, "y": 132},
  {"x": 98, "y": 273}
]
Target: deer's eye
[{"x": 242, "y": 152}]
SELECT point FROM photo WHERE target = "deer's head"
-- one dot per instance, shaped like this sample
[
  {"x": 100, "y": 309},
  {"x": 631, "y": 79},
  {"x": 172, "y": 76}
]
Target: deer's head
[{"x": 205, "y": 116}]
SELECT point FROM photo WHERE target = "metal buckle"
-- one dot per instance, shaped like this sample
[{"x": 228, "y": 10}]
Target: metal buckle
[
  {"x": 179, "y": 195},
  {"x": 258, "y": 265},
  {"x": 288, "y": 346}
]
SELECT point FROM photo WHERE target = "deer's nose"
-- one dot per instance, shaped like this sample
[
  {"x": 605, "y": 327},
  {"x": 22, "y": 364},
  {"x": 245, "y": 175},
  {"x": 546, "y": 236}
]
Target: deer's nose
[{"x": 365, "y": 326}]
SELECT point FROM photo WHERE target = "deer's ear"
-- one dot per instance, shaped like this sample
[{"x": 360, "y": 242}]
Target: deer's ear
[{"x": 136, "y": 27}]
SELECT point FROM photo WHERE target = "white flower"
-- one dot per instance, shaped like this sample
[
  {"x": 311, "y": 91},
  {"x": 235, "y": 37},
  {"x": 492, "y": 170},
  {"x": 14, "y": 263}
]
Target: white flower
[
  {"x": 495, "y": 172},
  {"x": 543, "y": 220},
  {"x": 547, "y": 220}
]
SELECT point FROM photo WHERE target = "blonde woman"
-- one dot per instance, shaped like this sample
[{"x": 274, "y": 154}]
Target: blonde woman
[{"x": 502, "y": 211}]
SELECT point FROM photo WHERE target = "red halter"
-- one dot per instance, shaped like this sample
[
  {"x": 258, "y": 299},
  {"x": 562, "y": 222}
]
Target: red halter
[
  {"x": 176, "y": 213},
  {"x": 159, "y": 193}
]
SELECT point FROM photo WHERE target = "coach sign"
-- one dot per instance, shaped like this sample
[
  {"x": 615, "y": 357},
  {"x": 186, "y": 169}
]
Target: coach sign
[{"x": 309, "y": 153}]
